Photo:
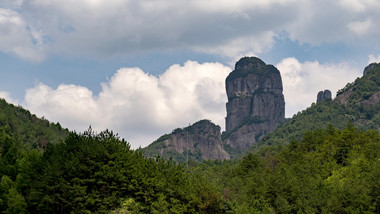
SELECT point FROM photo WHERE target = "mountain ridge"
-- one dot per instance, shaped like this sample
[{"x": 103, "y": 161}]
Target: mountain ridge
[{"x": 356, "y": 103}]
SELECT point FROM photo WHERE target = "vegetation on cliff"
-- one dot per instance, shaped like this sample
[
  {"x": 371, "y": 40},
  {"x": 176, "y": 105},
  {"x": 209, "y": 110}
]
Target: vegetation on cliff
[{"x": 249, "y": 65}]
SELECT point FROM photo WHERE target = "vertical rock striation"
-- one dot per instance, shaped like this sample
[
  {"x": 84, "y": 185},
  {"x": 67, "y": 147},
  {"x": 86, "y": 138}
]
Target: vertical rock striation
[
  {"x": 255, "y": 102},
  {"x": 324, "y": 95}
]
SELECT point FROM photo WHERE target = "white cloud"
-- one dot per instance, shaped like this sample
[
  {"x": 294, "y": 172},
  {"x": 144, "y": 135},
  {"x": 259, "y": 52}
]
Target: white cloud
[
  {"x": 17, "y": 38},
  {"x": 242, "y": 46},
  {"x": 353, "y": 5},
  {"x": 141, "y": 107},
  {"x": 6, "y": 95},
  {"x": 360, "y": 27},
  {"x": 373, "y": 58},
  {"x": 302, "y": 81},
  {"x": 227, "y": 28},
  {"x": 237, "y": 6},
  {"x": 359, "y": 6},
  {"x": 138, "y": 106}
]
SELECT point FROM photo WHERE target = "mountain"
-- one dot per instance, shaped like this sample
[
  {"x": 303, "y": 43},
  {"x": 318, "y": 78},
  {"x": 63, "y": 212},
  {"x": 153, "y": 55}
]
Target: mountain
[
  {"x": 255, "y": 104},
  {"x": 255, "y": 107},
  {"x": 319, "y": 162},
  {"x": 324, "y": 95},
  {"x": 255, "y": 114},
  {"x": 357, "y": 103},
  {"x": 27, "y": 128},
  {"x": 200, "y": 141}
]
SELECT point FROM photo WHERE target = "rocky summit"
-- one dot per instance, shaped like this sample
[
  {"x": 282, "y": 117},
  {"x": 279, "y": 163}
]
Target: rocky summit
[
  {"x": 369, "y": 68},
  {"x": 324, "y": 95},
  {"x": 200, "y": 141},
  {"x": 255, "y": 104},
  {"x": 255, "y": 108}
]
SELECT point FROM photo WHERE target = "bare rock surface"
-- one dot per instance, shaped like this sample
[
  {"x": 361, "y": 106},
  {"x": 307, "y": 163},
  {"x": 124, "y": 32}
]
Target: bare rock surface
[
  {"x": 202, "y": 139},
  {"x": 255, "y": 105},
  {"x": 324, "y": 95}
]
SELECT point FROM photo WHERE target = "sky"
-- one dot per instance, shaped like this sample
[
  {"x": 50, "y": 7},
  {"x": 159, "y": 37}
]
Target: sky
[{"x": 143, "y": 68}]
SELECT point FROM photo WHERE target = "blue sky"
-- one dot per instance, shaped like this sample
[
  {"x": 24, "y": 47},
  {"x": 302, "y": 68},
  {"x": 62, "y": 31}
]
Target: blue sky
[{"x": 143, "y": 68}]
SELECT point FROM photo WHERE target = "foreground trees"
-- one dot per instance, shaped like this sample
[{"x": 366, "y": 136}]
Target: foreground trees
[
  {"x": 99, "y": 173},
  {"x": 328, "y": 171}
]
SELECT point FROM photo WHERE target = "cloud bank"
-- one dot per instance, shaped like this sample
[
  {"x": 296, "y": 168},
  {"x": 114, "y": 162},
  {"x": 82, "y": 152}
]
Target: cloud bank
[
  {"x": 141, "y": 107},
  {"x": 35, "y": 29},
  {"x": 138, "y": 106}
]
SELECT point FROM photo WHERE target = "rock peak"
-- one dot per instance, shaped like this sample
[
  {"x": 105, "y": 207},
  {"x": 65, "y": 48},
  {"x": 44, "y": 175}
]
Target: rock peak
[
  {"x": 369, "y": 68},
  {"x": 249, "y": 63},
  {"x": 324, "y": 95},
  {"x": 255, "y": 102}
]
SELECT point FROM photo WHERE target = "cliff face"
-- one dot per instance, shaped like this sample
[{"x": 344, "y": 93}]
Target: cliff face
[
  {"x": 200, "y": 141},
  {"x": 255, "y": 102}
]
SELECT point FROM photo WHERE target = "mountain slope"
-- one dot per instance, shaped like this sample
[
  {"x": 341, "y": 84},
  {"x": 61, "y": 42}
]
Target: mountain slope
[
  {"x": 326, "y": 171},
  {"x": 358, "y": 103},
  {"x": 200, "y": 141},
  {"x": 27, "y": 128}
]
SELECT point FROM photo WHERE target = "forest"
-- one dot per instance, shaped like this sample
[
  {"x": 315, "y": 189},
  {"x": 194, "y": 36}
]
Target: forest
[
  {"x": 327, "y": 171},
  {"x": 325, "y": 159}
]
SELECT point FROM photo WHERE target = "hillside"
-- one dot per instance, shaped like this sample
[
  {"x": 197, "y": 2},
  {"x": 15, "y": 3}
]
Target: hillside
[
  {"x": 46, "y": 169},
  {"x": 325, "y": 171},
  {"x": 27, "y": 128},
  {"x": 358, "y": 103}
]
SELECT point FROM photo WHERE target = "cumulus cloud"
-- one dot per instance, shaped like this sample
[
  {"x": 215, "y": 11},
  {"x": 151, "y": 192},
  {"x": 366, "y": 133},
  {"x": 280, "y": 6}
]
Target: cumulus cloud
[
  {"x": 35, "y": 28},
  {"x": 142, "y": 107},
  {"x": 138, "y": 106},
  {"x": 302, "y": 81}
]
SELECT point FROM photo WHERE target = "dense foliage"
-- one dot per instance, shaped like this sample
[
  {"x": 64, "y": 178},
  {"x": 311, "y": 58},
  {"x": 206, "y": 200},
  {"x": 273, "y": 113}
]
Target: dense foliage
[
  {"x": 313, "y": 163},
  {"x": 24, "y": 127},
  {"x": 242, "y": 70},
  {"x": 327, "y": 171},
  {"x": 97, "y": 173}
]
